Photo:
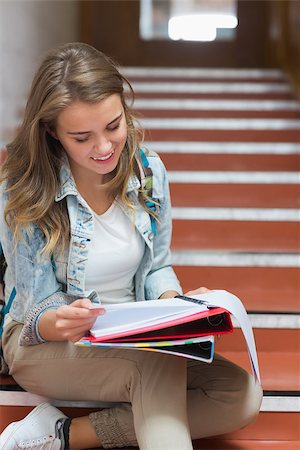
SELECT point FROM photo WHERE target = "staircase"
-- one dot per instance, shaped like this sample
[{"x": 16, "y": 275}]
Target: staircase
[{"x": 230, "y": 140}]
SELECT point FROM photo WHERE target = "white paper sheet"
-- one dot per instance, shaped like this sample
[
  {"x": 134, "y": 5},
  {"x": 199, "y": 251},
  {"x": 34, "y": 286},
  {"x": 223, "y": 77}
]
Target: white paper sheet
[
  {"x": 135, "y": 315},
  {"x": 234, "y": 305}
]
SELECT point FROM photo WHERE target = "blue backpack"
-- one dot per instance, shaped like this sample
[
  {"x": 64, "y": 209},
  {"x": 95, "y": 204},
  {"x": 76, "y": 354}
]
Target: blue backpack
[{"x": 4, "y": 309}]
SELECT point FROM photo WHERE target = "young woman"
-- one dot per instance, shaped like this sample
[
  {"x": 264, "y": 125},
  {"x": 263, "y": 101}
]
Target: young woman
[{"x": 76, "y": 230}]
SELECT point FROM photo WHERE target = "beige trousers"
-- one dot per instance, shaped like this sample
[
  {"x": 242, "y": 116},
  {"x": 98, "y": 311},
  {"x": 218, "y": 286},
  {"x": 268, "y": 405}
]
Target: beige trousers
[{"x": 165, "y": 401}]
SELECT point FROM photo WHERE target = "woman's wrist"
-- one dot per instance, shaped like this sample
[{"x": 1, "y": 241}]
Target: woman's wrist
[
  {"x": 168, "y": 294},
  {"x": 47, "y": 326}
]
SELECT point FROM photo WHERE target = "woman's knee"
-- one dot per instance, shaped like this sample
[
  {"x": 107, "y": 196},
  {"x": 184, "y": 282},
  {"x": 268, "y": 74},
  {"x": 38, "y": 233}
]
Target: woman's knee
[
  {"x": 241, "y": 391},
  {"x": 252, "y": 400}
]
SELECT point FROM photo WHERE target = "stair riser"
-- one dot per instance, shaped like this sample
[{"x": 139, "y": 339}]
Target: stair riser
[
  {"x": 224, "y": 135},
  {"x": 261, "y": 288},
  {"x": 223, "y": 162},
  {"x": 236, "y": 235},
  {"x": 279, "y": 370},
  {"x": 235, "y": 195}
]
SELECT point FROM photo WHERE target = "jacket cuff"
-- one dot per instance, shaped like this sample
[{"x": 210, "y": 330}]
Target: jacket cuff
[{"x": 30, "y": 334}]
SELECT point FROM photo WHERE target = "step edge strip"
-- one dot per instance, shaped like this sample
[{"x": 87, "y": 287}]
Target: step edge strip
[
  {"x": 233, "y": 177},
  {"x": 236, "y": 214},
  {"x": 269, "y": 404},
  {"x": 234, "y": 259},
  {"x": 198, "y": 147}
]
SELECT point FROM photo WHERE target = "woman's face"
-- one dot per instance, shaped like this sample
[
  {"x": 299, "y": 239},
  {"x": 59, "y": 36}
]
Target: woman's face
[{"x": 93, "y": 136}]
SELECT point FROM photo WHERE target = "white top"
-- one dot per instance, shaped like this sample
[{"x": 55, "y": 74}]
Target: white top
[{"x": 114, "y": 256}]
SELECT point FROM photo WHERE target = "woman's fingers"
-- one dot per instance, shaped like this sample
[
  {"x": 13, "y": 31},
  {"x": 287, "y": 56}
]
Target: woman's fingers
[
  {"x": 200, "y": 290},
  {"x": 74, "y": 320},
  {"x": 77, "y": 312}
]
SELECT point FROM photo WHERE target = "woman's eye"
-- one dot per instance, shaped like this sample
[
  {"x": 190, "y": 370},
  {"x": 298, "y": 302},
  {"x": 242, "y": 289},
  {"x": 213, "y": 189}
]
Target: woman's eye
[
  {"x": 81, "y": 140},
  {"x": 115, "y": 127}
]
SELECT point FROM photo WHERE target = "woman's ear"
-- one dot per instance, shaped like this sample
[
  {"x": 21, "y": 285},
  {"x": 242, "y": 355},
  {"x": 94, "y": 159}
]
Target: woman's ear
[{"x": 51, "y": 132}]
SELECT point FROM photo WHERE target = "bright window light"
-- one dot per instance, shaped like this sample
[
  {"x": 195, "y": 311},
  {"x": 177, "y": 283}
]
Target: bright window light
[{"x": 199, "y": 27}]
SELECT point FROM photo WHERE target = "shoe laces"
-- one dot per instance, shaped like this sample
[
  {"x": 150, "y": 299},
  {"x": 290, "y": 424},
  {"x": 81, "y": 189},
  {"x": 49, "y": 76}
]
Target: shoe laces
[{"x": 43, "y": 443}]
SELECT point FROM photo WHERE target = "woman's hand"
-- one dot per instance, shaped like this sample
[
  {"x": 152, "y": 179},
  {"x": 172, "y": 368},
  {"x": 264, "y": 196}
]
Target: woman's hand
[
  {"x": 200, "y": 290},
  {"x": 74, "y": 320},
  {"x": 69, "y": 322}
]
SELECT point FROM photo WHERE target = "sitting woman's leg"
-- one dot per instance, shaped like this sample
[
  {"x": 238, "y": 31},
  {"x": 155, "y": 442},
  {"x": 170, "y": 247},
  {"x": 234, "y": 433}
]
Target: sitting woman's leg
[
  {"x": 153, "y": 384},
  {"x": 222, "y": 397}
]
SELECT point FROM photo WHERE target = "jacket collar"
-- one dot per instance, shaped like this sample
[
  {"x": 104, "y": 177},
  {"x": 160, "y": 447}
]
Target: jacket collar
[{"x": 68, "y": 186}]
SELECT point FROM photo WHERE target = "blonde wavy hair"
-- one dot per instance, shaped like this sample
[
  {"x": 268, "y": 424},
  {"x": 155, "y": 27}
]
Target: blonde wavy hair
[{"x": 72, "y": 72}]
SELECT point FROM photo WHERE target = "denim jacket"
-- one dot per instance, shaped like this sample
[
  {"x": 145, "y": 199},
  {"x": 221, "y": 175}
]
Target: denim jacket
[{"x": 42, "y": 283}]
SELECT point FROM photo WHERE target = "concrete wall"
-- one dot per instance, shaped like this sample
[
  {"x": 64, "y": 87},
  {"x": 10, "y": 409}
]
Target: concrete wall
[{"x": 28, "y": 28}]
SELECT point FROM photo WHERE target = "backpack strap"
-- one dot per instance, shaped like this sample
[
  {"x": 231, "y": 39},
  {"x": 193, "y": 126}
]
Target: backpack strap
[
  {"x": 147, "y": 186},
  {"x": 6, "y": 306}
]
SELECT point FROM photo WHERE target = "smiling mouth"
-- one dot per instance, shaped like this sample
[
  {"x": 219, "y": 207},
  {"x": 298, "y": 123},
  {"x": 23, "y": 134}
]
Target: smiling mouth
[{"x": 102, "y": 158}]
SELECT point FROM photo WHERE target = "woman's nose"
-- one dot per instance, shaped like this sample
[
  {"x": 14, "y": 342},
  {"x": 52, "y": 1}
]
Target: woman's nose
[{"x": 103, "y": 145}]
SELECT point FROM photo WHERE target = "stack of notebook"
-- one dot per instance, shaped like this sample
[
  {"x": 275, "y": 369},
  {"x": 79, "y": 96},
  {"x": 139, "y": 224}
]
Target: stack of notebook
[{"x": 181, "y": 326}]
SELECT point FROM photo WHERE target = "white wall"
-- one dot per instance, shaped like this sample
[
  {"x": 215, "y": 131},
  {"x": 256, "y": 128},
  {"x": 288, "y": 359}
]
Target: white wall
[{"x": 28, "y": 28}]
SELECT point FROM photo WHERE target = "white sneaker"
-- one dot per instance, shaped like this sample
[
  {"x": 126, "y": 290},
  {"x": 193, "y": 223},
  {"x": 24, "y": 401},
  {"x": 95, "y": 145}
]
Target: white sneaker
[{"x": 36, "y": 431}]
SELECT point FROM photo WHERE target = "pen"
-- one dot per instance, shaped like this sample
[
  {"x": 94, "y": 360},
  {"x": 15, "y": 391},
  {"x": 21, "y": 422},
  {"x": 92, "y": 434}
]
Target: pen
[
  {"x": 194, "y": 300},
  {"x": 191, "y": 299}
]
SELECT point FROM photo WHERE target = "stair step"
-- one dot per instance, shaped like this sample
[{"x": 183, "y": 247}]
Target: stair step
[
  {"x": 235, "y": 195},
  {"x": 257, "y": 236},
  {"x": 186, "y": 73},
  {"x": 226, "y": 148},
  {"x": 230, "y": 162},
  {"x": 258, "y": 215},
  {"x": 211, "y": 87},
  {"x": 208, "y": 114},
  {"x": 231, "y": 258},
  {"x": 242, "y": 444},
  {"x": 283, "y": 377},
  {"x": 157, "y": 105},
  {"x": 183, "y": 123},
  {"x": 234, "y": 177},
  {"x": 260, "y": 288},
  {"x": 264, "y": 135},
  {"x": 279, "y": 96}
]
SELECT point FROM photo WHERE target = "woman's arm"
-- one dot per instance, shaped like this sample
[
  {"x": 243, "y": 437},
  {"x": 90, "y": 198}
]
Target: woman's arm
[{"x": 161, "y": 281}]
